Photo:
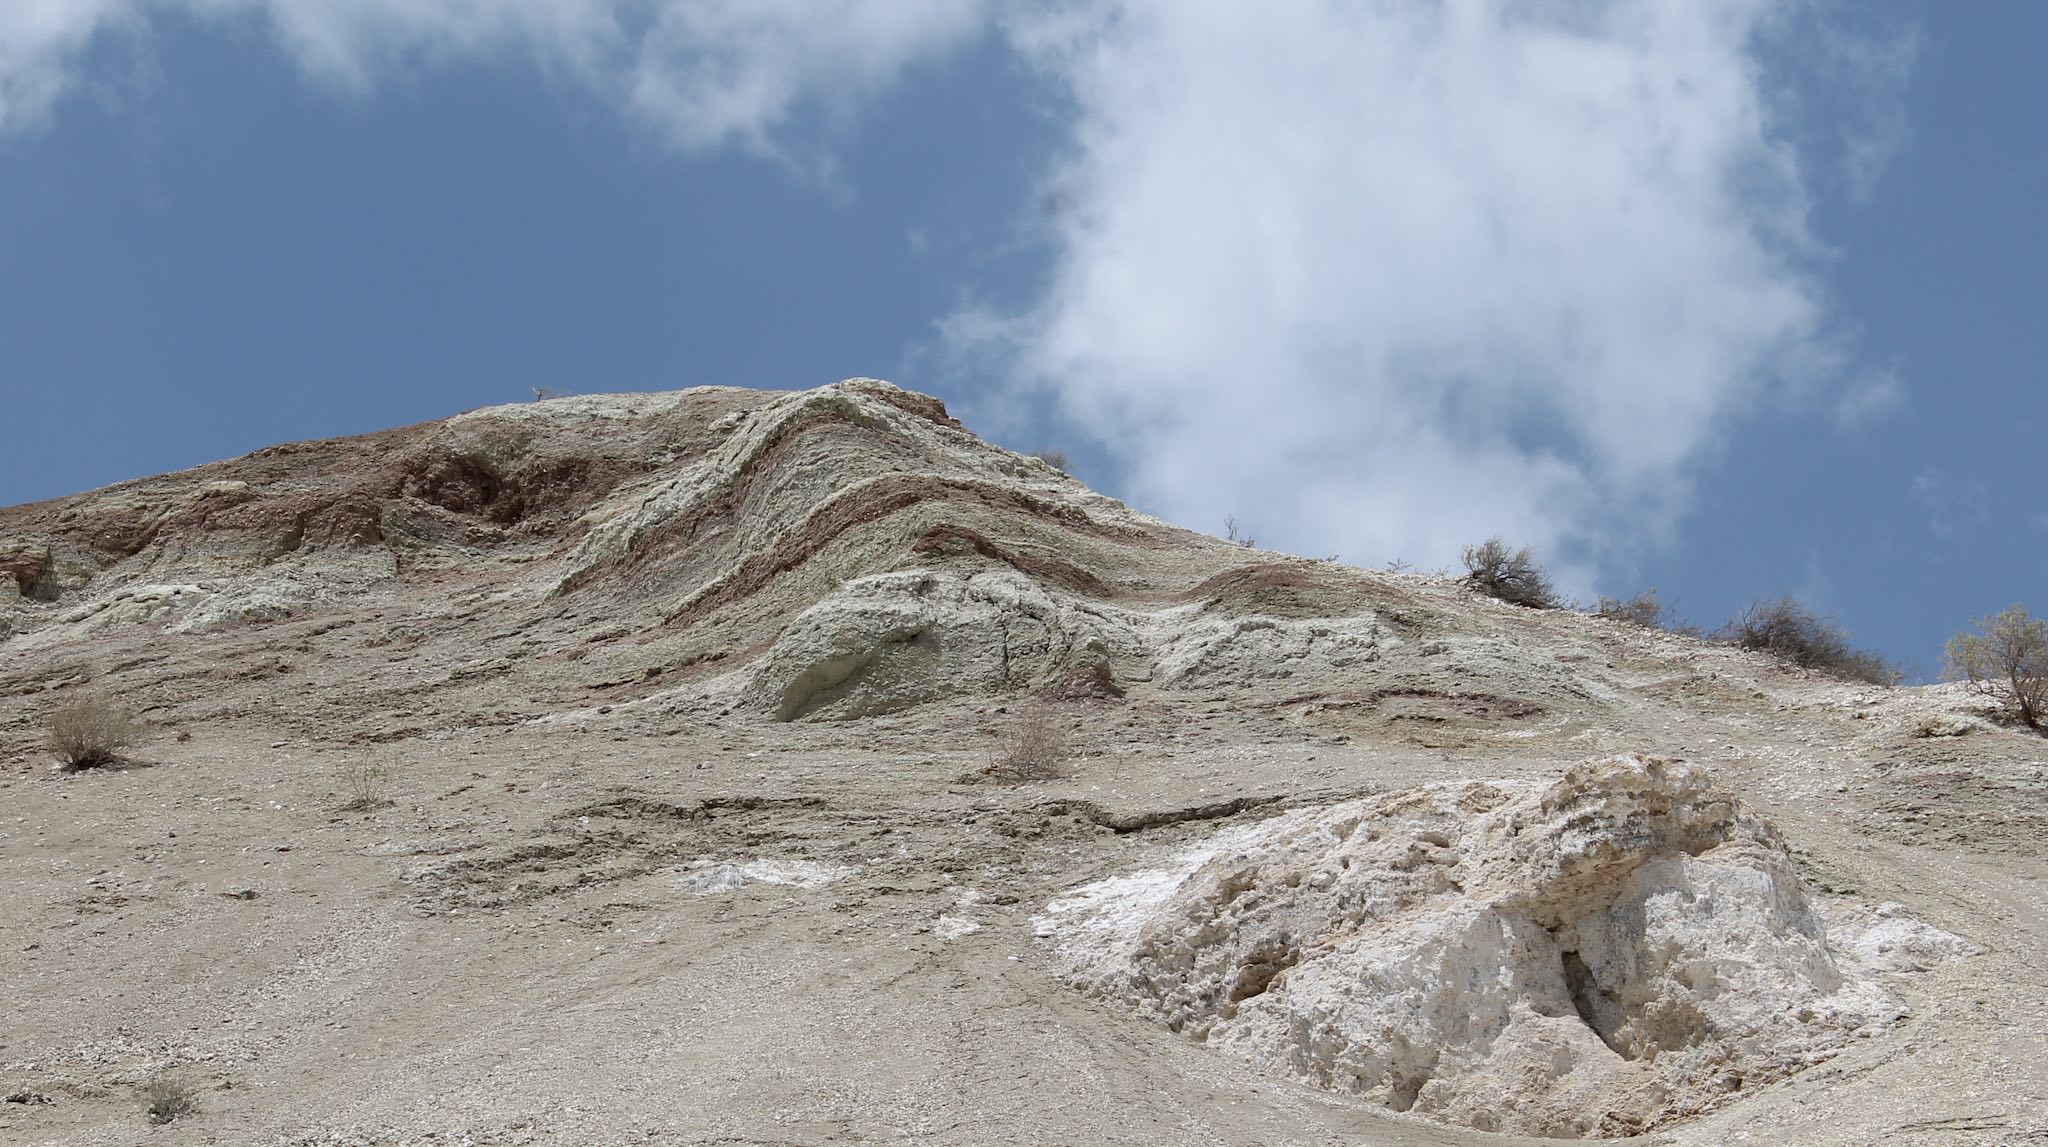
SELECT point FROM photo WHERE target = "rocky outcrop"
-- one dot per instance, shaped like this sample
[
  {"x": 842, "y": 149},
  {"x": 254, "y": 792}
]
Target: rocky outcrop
[
  {"x": 332, "y": 523},
  {"x": 813, "y": 555},
  {"x": 1623, "y": 948},
  {"x": 898, "y": 639}
]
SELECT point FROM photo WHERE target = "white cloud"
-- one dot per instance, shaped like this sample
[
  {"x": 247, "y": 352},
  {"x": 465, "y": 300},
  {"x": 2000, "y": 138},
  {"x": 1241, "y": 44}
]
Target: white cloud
[
  {"x": 40, "y": 42},
  {"x": 703, "y": 73},
  {"x": 1386, "y": 278},
  {"x": 712, "y": 71}
]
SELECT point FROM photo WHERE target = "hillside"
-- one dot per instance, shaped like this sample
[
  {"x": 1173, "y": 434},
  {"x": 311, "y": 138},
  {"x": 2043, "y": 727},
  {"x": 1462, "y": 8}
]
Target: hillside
[{"x": 617, "y": 769}]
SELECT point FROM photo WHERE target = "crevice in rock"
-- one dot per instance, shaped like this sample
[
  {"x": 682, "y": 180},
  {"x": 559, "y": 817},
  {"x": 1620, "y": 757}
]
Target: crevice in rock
[
  {"x": 1405, "y": 1092},
  {"x": 1595, "y": 1006},
  {"x": 1129, "y": 822},
  {"x": 1261, "y": 967}
]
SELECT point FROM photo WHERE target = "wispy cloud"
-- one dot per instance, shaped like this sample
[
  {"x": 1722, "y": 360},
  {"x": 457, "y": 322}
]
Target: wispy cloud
[
  {"x": 40, "y": 44},
  {"x": 1849, "y": 108},
  {"x": 1389, "y": 278},
  {"x": 736, "y": 69},
  {"x": 701, "y": 73}
]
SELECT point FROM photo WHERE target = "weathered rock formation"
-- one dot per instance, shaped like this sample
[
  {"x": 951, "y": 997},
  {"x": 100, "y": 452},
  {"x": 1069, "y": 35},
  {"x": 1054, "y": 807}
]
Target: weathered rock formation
[
  {"x": 335, "y": 523},
  {"x": 822, "y": 554},
  {"x": 1621, "y": 949}
]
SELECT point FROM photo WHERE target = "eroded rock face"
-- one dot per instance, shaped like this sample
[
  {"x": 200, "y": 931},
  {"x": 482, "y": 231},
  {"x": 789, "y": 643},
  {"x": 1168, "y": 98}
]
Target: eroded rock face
[
  {"x": 329, "y": 524},
  {"x": 815, "y": 555},
  {"x": 1621, "y": 949}
]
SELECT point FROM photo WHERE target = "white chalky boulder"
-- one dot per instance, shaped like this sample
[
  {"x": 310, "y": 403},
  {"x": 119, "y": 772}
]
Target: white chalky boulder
[{"x": 1620, "y": 949}]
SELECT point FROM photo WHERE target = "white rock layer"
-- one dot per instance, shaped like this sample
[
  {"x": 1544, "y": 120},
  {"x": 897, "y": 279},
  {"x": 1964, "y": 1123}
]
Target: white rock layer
[{"x": 1623, "y": 948}]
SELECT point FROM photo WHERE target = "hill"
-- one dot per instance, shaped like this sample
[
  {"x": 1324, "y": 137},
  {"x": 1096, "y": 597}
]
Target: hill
[{"x": 651, "y": 768}]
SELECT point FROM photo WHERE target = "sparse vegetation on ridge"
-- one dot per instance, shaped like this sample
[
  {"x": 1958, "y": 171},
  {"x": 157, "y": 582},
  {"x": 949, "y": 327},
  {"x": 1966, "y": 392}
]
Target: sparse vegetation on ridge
[
  {"x": 2007, "y": 659},
  {"x": 1793, "y": 633},
  {"x": 1509, "y": 575},
  {"x": 1057, "y": 459},
  {"x": 1645, "y": 609},
  {"x": 90, "y": 730}
]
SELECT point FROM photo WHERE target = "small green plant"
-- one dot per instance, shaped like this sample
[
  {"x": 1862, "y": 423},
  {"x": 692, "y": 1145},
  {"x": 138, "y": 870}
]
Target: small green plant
[
  {"x": 363, "y": 787},
  {"x": 2006, "y": 659},
  {"x": 1037, "y": 749},
  {"x": 1791, "y": 632},
  {"x": 1509, "y": 575},
  {"x": 168, "y": 1099},
  {"x": 89, "y": 730}
]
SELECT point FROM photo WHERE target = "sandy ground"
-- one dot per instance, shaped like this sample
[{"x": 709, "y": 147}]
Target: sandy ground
[{"x": 532, "y": 941}]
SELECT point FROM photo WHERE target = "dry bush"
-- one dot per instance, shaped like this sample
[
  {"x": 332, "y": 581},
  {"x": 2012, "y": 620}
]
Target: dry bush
[
  {"x": 1509, "y": 575},
  {"x": 168, "y": 1099},
  {"x": 1094, "y": 681},
  {"x": 1791, "y": 632},
  {"x": 1644, "y": 609},
  {"x": 363, "y": 787},
  {"x": 89, "y": 730},
  {"x": 1037, "y": 750},
  {"x": 1232, "y": 535},
  {"x": 2007, "y": 660},
  {"x": 1057, "y": 459}
]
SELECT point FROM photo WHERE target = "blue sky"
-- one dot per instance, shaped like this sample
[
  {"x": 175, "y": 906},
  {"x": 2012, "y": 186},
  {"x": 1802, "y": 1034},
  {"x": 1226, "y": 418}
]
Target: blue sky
[{"x": 1732, "y": 299}]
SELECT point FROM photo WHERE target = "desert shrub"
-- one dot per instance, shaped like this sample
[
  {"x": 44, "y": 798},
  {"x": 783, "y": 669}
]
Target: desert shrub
[
  {"x": 1508, "y": 574},
  {"x": 1057, "y": 459},
  {"x": 1946, "y": 725},
  {"x": 2006, "y": 659},
  {"x": 1791, "y": 632},
  {"x": 1036, "y": 749},
  {"x": 362, "y": 787},
  {"x": 1237, "y": 538},
  {"x": 167, "y": 1099},
  {"x": 1645, "y": 609},
  {"x": 89, "y": 730}
]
